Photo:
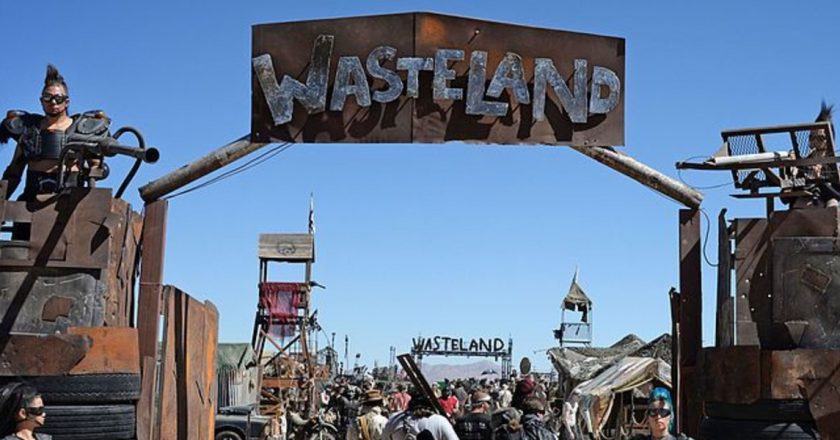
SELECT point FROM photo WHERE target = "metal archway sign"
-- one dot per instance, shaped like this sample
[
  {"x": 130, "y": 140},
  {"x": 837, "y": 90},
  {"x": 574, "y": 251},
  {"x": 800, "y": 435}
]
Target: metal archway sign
[{"x": 430, "y": 78}]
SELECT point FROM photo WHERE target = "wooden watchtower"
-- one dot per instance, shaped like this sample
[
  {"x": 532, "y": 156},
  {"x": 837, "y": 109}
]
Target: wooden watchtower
[
  {"x": 283, "y": 317},
  {"x": 576, "y": 329}
]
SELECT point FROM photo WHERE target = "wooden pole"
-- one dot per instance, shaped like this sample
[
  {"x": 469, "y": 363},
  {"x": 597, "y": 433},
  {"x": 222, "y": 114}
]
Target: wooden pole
[
  {"x": 199, "y": 168},
  {"x": 644, "y": 174}
]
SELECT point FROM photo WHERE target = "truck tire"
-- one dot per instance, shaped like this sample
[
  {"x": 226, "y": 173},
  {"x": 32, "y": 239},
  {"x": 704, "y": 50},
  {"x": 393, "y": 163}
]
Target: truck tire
[
  {"x": 768, "y": 410},
  {"x": 726, "y": 429},
  {"x": 88, "y": 388},
  {"x": 90, "y": 422},
  {"x": 227, "y": 434}
]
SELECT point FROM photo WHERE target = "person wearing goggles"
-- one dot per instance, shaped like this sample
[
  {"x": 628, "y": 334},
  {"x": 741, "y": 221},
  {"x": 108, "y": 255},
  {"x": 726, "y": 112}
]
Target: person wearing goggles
[
  {"x": 41, "y": 138},
  {"x": 660, "y": 418},
  {"x": 21, "y": 413}
]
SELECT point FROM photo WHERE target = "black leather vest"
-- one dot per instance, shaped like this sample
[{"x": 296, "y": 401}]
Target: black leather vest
[{"x": 40, "y": 144}]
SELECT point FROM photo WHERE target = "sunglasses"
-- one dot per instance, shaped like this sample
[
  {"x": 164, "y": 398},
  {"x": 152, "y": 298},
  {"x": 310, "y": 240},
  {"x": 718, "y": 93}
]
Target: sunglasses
[
  {"x": 35, "y": 410},
  {"x": 658, "y": 412},
  {"x": 55, "y": 99}
]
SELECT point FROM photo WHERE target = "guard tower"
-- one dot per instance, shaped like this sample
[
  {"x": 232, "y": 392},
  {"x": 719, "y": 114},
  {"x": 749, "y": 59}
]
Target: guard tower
[
  {"x": 283, "y": 317},
  {"x": 576, "y": 329}
]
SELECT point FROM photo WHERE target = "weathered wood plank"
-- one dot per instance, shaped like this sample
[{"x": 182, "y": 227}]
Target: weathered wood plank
[
  {"x": 691, "y": 306},
  {"x": 211, "y": 331},
  {"x": 146, "y": 403},
  {"x": 151, "y": 277},
  {"x": 724, "y": 329},
  {"x": 168, "y": 426},
  {"x": 112, "y": 350},
  {"x": 287, "y": 247}
]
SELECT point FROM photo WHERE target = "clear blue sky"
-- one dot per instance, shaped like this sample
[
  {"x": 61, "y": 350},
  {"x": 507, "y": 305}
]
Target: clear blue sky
[{"x": 448, "y": 239}]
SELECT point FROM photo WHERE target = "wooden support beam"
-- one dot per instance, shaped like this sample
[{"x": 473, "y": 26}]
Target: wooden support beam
[
  {"x": 151, "y": 278},
  {"x": 724, "y": 324},
  {"x": 149, "y": 304},
  {"x": 691, "y": 306}
]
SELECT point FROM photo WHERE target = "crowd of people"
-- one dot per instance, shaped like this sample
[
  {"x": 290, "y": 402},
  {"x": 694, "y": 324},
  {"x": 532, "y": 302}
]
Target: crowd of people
[{"x": 524, "y": 409}]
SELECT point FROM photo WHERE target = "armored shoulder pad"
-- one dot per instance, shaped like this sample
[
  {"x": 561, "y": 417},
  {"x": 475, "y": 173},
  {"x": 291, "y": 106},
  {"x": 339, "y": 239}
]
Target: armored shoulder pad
[
  {"x": 91, "y": 123},
  {"x": 16, "y": 122}
]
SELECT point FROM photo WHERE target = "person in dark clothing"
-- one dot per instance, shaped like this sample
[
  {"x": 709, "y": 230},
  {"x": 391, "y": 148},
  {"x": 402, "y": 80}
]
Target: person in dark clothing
[
  {"x": 530, "y": 426},
  {"x": 476, "y": 424},
  {"x": 21, "y": 412},
  {"x": 41, "y": 139}
]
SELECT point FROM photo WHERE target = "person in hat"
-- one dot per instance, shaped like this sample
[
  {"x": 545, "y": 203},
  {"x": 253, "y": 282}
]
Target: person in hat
[
  {"x": 476, "y": 424},
  {"x": 419, "y": 422},
  {"x": 370, "y": 422},
  {"x": 660, "y": 417},
  {"x": 505, "y": 396}
]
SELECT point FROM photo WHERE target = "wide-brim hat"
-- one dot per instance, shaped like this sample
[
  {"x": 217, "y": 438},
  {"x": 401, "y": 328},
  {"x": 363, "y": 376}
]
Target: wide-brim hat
[{"x": 373, "y": 396}]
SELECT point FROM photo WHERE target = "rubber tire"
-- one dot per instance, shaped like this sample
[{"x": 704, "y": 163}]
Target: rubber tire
[
  {"x": 229, "y": 435},
  {"x": 91, "y": 422},
  {"x": 725, "y": 429},
  {"x": 323, "y": 434},
  {"x": 768, "y": 410},
  {"x": 88, "y": 388}
]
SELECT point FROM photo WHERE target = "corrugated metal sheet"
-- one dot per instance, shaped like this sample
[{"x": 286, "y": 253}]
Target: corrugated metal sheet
[{"x": 238, "y": 375}]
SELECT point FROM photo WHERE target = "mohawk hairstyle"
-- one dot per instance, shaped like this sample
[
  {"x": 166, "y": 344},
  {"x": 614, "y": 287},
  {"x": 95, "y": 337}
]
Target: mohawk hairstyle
[
  {"x": 826, "y": 111},
  {"x": 54, "y": 78}
]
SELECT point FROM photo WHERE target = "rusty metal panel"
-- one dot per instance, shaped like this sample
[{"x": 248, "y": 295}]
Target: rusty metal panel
[
  {"x": 38, "y": 355},
  {"x": 752, "y": 281},
  {"x": 731, "y": 374},
  {"x": 67, "y": 274},
  {"x": 51, "y": 300},
  {"x": 112, "y": 350},
  {"x": 792, "y": 372},
  {"x": 460, "y": 79},
  {"x": 806, "y": 294},
  {"x": 810, "y": 222},
  {"x": 812, "y": 374}
]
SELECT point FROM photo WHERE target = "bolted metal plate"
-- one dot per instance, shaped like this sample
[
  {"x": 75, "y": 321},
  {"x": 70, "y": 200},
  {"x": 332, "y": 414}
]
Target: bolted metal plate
[
  {"x": 430, "y": 78},
  {"x": 51, "y": 300},
  {"x": 806, "y": 293}
]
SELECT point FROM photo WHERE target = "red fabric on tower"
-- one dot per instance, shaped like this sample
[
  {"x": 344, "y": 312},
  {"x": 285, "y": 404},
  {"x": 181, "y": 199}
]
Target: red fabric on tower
[{"x": 281, "y": 300}]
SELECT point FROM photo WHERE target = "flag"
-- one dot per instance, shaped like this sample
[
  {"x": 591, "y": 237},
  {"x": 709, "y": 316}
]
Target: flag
[{"x": 311, "y": 214}]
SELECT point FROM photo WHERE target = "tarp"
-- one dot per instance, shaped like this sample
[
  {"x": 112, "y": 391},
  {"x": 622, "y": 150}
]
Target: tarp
[
  {"x": 598, "y": 393},
  {"x": 281, "y": 300}
]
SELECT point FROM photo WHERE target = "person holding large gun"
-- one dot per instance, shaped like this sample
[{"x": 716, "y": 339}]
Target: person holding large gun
[{"x": 41, "y": 139}]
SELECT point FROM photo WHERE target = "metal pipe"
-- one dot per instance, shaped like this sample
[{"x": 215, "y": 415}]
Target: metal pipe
[
  {"x": 199, "y": 168},
  {"x": 644, "y": 174}
]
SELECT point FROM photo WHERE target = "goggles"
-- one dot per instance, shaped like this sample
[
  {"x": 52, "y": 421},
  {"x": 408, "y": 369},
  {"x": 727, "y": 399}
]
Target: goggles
[
  {"x": 35, "y": 410},
  {"x": 55, "y": 99}
]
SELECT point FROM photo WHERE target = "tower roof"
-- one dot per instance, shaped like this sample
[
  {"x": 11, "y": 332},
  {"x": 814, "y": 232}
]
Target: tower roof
[{"x": 576, "y": 299}]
